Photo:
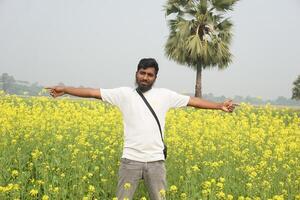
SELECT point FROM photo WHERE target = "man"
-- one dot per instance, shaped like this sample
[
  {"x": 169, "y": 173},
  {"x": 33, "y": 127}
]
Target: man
[{"x": 143, "y": 156}]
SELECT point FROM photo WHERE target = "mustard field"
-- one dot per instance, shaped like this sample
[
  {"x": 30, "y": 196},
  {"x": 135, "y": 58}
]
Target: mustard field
[{"x": 70, "y": 149}]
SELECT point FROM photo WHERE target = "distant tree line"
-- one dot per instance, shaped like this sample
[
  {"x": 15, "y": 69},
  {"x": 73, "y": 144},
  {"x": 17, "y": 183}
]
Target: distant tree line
[
  {"x": 255, "y": 100},
  {"x": 12, "y": 86}
]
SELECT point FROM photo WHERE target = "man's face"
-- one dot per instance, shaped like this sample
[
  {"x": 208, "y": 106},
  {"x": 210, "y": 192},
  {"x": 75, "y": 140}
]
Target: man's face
[{"x": 145, "y": 78}]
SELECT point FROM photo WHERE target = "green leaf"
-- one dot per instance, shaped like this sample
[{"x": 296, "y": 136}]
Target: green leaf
[
  {"x": 171, "y": 9},
  {"x": 223, "y": 5},
  {"x": 194, "y": 46},
  {"x": 184, "y": 28},
  {"x": 202, "y": 6}
]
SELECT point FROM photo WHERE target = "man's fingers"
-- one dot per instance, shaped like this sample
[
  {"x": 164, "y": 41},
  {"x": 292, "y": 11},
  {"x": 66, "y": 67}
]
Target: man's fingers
[
  {"x": 230, "y": 104},
  {"x": 49, "y": 87},
  {"x": 51, "y": 91},
  {"x": 228, "y": 100}
]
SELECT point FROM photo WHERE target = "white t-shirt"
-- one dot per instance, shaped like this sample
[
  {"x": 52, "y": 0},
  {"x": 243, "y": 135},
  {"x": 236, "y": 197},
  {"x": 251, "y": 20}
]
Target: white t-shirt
[{"x": 142, "y": 140}]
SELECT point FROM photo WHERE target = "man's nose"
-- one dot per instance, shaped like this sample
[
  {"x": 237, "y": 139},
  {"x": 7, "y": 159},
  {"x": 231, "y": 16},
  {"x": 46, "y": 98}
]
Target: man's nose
[{"x": 145, "y": 77}]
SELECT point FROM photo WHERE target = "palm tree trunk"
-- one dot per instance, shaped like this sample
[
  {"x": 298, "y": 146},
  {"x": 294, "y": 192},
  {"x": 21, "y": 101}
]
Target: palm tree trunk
[{"x": 198, "y": 87}]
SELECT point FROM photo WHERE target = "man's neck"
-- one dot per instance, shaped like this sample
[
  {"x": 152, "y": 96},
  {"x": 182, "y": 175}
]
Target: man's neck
[{"x": 144, "y": 90}]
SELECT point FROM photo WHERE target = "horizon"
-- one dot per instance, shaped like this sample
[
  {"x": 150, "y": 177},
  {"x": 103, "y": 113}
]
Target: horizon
[{"x": 28, "y": 83}]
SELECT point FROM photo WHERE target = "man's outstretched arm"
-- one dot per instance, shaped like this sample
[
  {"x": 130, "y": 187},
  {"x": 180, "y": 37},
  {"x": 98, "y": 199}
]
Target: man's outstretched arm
[
  {"x": 226, "y": 106},
  {"x": 56, "y": 91}
]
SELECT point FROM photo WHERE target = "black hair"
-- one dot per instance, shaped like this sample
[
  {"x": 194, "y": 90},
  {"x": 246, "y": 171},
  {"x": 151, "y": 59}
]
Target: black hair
[{"x": 148, "y": 62}]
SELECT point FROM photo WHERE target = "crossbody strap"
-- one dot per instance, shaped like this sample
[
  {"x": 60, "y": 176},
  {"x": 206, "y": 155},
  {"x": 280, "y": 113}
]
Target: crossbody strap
[{"x": 152, "y": 111}]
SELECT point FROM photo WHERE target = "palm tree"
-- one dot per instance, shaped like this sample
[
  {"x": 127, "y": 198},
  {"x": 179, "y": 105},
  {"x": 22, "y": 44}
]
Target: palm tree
[{"x": 200, "y": 34}]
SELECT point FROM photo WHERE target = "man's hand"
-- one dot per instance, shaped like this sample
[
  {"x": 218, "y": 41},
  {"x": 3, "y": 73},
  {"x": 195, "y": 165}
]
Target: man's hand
[
  {"x": 56, "y": 91},
  {"x": 228, "y": 106}
]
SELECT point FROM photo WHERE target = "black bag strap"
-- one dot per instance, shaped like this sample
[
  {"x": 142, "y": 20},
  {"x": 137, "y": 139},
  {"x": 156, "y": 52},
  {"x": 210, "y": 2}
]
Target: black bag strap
[{"x": 152, "y": 111}]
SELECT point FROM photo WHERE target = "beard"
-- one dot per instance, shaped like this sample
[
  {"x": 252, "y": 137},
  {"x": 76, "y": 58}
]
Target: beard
[{"x": 143, "y": 88}]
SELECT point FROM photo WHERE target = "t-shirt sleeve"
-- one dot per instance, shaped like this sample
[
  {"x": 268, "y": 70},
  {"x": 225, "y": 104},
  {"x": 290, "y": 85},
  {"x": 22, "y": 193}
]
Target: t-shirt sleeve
[
  {"x": 113, "y": 96},
  {"x": 177, "y": 100}
]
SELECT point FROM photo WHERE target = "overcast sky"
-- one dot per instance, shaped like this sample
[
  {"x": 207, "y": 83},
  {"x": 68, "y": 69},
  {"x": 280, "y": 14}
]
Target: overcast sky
[{"x": 98, "y": 43}]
